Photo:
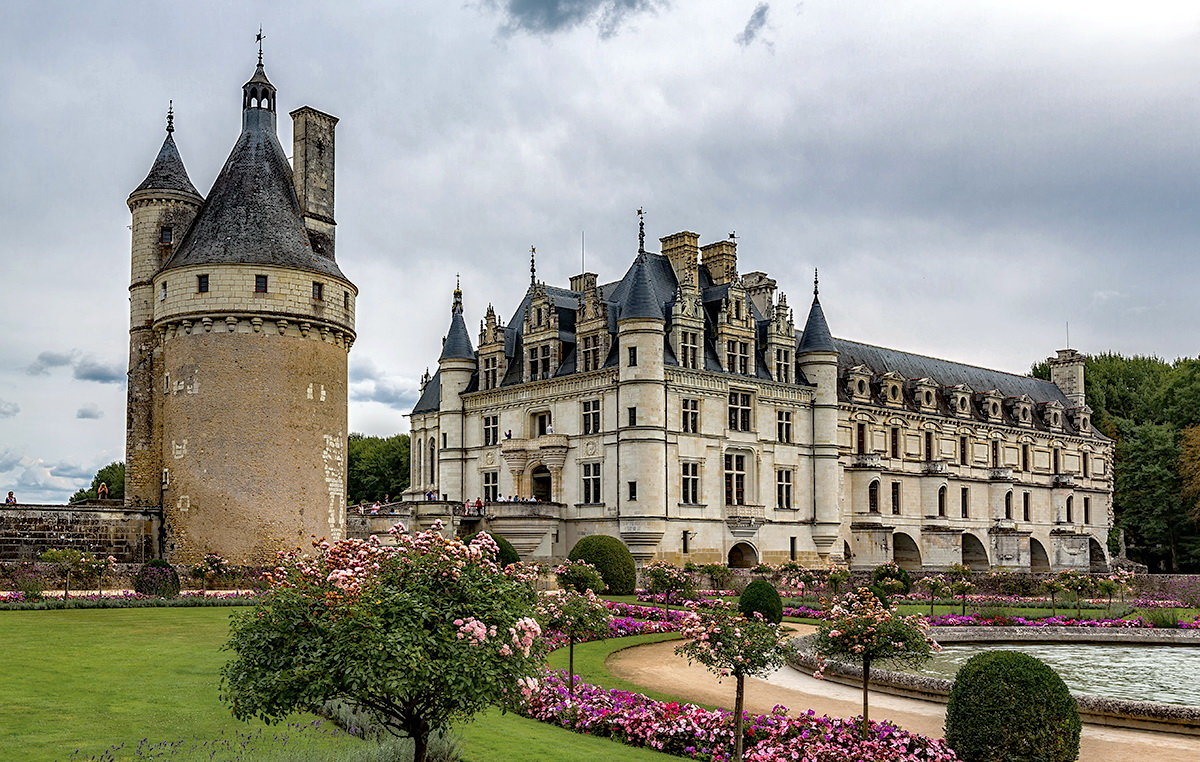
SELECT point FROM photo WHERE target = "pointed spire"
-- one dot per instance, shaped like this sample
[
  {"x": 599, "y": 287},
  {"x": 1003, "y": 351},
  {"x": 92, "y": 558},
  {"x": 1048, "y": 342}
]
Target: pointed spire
[
  {"x": 641, "y": 300},
  {"x": 816, "y": 283},
  {"x": 167, "y": 172},
  {"x": 641, "y": 213},
  {"x": 170, "y": 116},
  {"x": 817, "y": 337},
  {"x": 457, "y": 345}
]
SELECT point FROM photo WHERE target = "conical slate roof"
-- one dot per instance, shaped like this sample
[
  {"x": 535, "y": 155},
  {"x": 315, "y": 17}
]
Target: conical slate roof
[
  {"x": 252, "y": 215},
  {"x": 817, "y": 337},
  {"x": 168, "y": 172},
  {"x": 457, "y": 345},
  {"x": 642, "y": 300}
]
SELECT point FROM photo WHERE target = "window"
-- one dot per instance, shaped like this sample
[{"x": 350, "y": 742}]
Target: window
[
  {"x": 783, "y": 426},
  {"x": 689, "y": 349},
  {"x": 632, "y": 356},
  {"x": 591, "y": 352},
  {"x": 1070, "y": 509},
  {"x": 346, "y": 300},
  {"x": 542, "y": 424},
  {"x": 202, "y": 284},
  {"x": 1024, "y": 457},
  {"x": 739, "y": 411},
  {"x": 894, "y": 441},
  {"x": 737, "y": 309},
  {"x": 260, "y": 284},
  {"x": 737, "y": 357},
  {"x": 1056, "y": 455},
  {"x": 491, "y": 486},
  {"x": 965, "y": 502},
  {"x": 632, "y": 415},
  {"x": 1008, "y": 505},
  {"x": 591, "y": 482},
  {"x": 860, "y": 439},
  {"x": 995, "y": 454},
  {"x": 632, "y": 491},
  {"x": 783, "y": 365},
  {"x": 162, "y": 291},
  {"x": 491, "y": 430},
  {"x": 491, "y": 374},
  {"x": 783, "y": 488},
  {"x": 685, "y": 541},
  {"x": 735, "y": 479},
  {"x": 930, "y": 452},
  {"x": 690, "y": 477},
  {"x": 1087, "y": 510},
  {"x": 1025, "y": 506},
  {"x": 445, "y": 437},
  {"x": 1083, "y": 460},
  {"x": 591, "y": 416},
  {"x": 941, "y": 504},
  {"x": 318, "y": 291},
  {"x": 165, "y": 234},
  {"x": 539, "y": 362},
  {"x": 895, "y": 498},
  {"x": 873, "y": 497},
  {"x": 792, "y": 548},
  {"x": 691, "y": 416},
  {"x": 432, "y": 461},
  {"x": 964, "y": 453}
]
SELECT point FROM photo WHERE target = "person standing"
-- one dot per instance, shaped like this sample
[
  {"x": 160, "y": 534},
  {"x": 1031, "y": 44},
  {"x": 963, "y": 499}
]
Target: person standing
[{"x": 11, "y": 499}]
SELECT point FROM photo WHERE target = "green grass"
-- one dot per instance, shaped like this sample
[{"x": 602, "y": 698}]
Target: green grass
[{"x": 94, "y": 679}]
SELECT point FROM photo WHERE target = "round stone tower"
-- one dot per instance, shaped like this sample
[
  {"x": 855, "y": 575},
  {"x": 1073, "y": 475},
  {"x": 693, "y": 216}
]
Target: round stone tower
[{"x": 253, "y": 320}]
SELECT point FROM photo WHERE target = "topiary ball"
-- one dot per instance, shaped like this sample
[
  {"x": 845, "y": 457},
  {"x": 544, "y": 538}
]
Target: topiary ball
[
  {"x": 506, "y": 554},
  {"x": 157, "y": 577},
  {"x": 760, "y": 597},
  {"x": 611, "y": 558},
  {"x": 1007, "y": 705}
]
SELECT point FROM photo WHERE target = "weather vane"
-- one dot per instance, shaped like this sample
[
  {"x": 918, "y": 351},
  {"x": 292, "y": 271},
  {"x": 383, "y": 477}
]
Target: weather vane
[
  {"x": 259, "y": 40},
  {"x": 533, "y": 265},
  {"x": 816, "y": 283},
  {"x": 641, "y": 213},
  {"x": 170, "y": 116},
  {"x": 733, "y": 236}
]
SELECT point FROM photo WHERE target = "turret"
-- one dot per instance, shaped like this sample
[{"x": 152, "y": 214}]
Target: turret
[
  {"x": 456, "y": 366},
  {"x": 163, "y": 208},
  {"x": 1066, "y": 372},
  {"x": 817, "y": 357}
]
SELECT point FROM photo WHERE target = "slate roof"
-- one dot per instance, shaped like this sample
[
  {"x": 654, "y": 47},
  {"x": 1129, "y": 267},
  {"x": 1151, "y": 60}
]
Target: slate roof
[
  {"x": 816, "y": 336},
  {"x": 168, "y": 172},
  {"x": 637, "y": 295},
  {"x": 431, "y": 396},
  {"x": 252, "y": 215},
  {"x": 457, "y": 345}
]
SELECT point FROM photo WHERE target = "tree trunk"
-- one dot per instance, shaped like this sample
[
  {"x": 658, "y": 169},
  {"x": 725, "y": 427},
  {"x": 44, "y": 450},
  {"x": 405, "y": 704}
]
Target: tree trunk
[
  {"x": 420, "y": 746},
  {"x": 571, "y": 666},
  {"x": 737, "y": 717},
  {"x": 866, "y": 680},
  {"x": 930, "y": 603},
  {"x": 1053, "y": 607},
  {"x": 67, "y": 588}
]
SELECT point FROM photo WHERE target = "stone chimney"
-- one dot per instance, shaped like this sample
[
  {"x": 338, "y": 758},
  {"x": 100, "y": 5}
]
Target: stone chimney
[
  {"x": 761, "y": 290},
  {"x": 683, "y": 251},
  {"x": 312, "y": 174},
  {"x": 583, "y": 283},
  {"x": 720, "y": 259},
  {"x": 1066, "y": 372}
]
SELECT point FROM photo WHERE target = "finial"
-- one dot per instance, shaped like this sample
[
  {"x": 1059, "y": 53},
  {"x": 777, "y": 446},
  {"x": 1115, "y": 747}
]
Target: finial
[
  {"x": 532, "y": 265},
  {"x": 457, "y": 282},
  {"x": 170, "y": 116},
  {"x": 733, "y": 236},
  {"x": 816, "y": 283},
  {"x": 458, "y": 305},
  {"x": 259, "y": 40},
  {"x": 641, "y": 230}
]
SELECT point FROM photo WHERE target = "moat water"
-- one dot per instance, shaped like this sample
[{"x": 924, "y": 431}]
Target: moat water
[{"x": 1169, "y": 674}]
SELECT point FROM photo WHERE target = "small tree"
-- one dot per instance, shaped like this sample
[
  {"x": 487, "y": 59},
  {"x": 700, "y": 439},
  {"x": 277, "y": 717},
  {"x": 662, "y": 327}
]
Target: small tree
[
  {"x": 892, "y": 578},
  {"x": 95, "y": 567},
  {"x": 959, "y": 578},
  {"x": 416, "y": 635},
  {"x": 727, "y": 643},
  {"x": 862, "y": 630},
  {"x": 210, "y": 568},
  {"x": 669, "y": 580},
  {"x": 1052, "y": 586},
  {"x": 936, "y": 585},
  {"x": 63, "y": 562},
  {"x": 836, "y": 577},
  {"x": 578, "y": 616},
  {"x": 579, "y": 576},
  {"x": 1078, "y": 585}
]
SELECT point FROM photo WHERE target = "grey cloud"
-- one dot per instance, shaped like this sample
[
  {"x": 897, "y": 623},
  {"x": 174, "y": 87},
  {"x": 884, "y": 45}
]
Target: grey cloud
[
  {"x": 757, "y": 21},
  {"x": 91, "y": 370},
  {"x": 9, "y": 460},
  {"x": 90, "y": 411},
  {"x": 362, "y": 369},
  {"x": 552, "y": 16},
  {"x": 46, "y": 360},
  {"x": 400, "y": 394},
  {"x": 71, "y": 471},
  {"x": 9, "y": 409}
]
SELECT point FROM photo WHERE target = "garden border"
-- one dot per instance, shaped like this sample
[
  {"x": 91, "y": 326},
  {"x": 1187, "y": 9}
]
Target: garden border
[{"x": 1097, "y": 710}]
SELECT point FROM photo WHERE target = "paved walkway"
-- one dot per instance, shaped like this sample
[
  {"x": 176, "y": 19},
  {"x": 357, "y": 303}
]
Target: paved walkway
[{"x": 656, "y": 666}]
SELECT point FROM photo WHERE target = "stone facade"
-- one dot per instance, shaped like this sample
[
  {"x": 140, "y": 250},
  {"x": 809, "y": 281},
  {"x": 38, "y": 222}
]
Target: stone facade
[
  {"x": 131, "y": 535},
  {"x": 680, "y": 410},
  {"x": 240, "y": 325}
]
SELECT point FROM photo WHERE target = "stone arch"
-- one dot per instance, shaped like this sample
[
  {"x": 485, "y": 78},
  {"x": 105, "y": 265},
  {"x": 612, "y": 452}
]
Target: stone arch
[
  {"x": 905, "y": 551},
  {"x": 541, "y": 483},
  {"x": 1097, "y": 558},
  {"x": 1038, "y": 559},
  {"x": 873, "y": 497},
  {"x": 743, "y": 556},
  {"x": 974, "y": 553},
  {"x": 941, "y": 501},
  {"x": 1070, "y": 509}
]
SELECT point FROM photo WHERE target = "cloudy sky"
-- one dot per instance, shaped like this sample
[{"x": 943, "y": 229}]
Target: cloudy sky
[{"x": 969, "y": 177}]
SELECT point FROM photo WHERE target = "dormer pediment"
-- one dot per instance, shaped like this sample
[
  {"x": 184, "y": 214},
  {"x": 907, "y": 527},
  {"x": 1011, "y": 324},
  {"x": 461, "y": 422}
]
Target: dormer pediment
[
  {"x": 924, "y": 393},
  {"x": 858, "y": 382},
  {"x": 959, "y": 400},
  {"x": 891, "y": 388}
]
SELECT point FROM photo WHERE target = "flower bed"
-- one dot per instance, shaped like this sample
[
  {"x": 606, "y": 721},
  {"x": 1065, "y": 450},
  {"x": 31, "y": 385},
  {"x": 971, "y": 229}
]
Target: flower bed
[
  {"x": 125, "y": 599},
  {"x": 686, "y": 730},
  {"x": 974, "y": 620}
]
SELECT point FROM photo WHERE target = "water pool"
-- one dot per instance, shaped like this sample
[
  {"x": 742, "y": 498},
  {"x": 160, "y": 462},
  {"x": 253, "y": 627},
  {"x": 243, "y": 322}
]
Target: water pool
[{"x": 1169, "y": 674}]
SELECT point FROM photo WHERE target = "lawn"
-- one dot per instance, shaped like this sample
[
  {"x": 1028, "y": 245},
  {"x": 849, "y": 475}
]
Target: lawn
[{"x": 94, "y": 679}]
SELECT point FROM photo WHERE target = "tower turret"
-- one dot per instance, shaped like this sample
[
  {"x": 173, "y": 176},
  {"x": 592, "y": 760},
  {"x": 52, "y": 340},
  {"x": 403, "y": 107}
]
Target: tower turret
[
  {"x": 255, "y": 324},
  {"x": 163, "y": 208},
  {"x": 817, "y": 356},
  {"x": 457, "y": 365}
]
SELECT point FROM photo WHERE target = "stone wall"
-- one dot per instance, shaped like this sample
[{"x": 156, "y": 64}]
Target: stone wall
[{"x": 131, "y": 535}]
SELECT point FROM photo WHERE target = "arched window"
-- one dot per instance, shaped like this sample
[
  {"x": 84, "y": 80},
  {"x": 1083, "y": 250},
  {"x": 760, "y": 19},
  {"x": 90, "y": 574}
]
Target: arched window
[
  {"x": 873, "y": 497},
  {"x": 417, "y": 473},
  {"x": 1008, "y": 505},
  {"x": 432, "y": 461},
  {"x": 941, "y": 501},
  {"x": 1070, "y": 509}
]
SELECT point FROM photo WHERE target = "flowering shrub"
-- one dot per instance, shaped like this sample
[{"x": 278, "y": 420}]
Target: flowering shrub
[
  {"x": 579, "y": 576},
  {"x": 686, "y": 730},
  {"x": 211, "y": 567},
  {"x": 574, "y": 615},
  {"x": 669, "y": 581},
  {"x": 157, "y": 577},
  {"x": 417, "y": 634}
]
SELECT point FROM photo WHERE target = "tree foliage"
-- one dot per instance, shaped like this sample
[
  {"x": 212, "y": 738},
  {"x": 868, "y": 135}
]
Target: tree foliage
[
  {"x": 760, "y": 597},
  {"x": 611, "y": 558},
  {"x": 112, "y": 476},
  {"x": 376, "y": 467},
  {"x": 417, "y": 635}
]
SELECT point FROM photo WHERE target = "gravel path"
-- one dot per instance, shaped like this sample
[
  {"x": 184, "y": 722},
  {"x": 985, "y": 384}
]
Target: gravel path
[{"x": 656, "y": 666}]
